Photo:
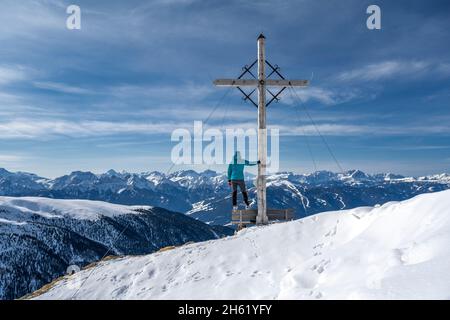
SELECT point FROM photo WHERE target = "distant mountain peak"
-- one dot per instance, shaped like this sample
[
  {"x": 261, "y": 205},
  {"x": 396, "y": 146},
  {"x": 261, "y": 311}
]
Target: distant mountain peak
[
  {"x": 391, "y": 176},
  {"x": 186, "y": 173},
  {"x": 209, "y": 173},
  {"x": 112, "y": 172},
  {"x": 3, "y": 171},
  {"x": 358, "y": 175}
]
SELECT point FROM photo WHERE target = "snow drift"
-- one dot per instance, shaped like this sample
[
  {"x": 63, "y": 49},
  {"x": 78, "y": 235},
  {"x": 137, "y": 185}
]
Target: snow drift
[
  {"x": 55, "y": 208},
  {"x": 396, "y": 251}
]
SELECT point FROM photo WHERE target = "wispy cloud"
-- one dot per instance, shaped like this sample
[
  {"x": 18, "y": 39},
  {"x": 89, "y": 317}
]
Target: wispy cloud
[
  {"x": 444, "y": 68},
  {"x": 61, "y": 87},
  {"x": 8, "y": 99},
  {"x": 10, "y": 158},
  {"x": 185, "y": 92},
  {"x": 9, "y": 74},
  {"x": 367, "y": 129},
  {"x": 13, "y": 161},
  {"x": 26, "y": 18},
  {"x": 52, "y": 128},
  {"x": 182, "y": 92},
  {"x": 412, "y": 147},
  {"x": 322, "y": 95},
  {"x": 385, "y": 70},
  {"x": 32, "y": 129}
]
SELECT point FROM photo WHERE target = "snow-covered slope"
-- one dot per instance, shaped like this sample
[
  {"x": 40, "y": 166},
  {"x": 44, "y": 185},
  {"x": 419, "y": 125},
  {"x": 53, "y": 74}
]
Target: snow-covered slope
[
  {"x": 397, "y": 251},
  {"x": 40, "y": 237},
  {"x": 53, "y": 208}
]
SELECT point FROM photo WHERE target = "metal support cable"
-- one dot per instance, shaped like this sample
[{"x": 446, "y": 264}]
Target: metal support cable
[
  {"x": 205, "y": 121},
  {"x": 308, "y": 146},
  {"x": 317, "y": 129}
]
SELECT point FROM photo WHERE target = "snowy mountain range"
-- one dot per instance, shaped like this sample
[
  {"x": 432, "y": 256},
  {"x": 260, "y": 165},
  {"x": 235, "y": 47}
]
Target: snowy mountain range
[
  {"x": 40, "y": 237},
  {"x": 206, "y": 196},
  {"x": 395, "y": 251}
]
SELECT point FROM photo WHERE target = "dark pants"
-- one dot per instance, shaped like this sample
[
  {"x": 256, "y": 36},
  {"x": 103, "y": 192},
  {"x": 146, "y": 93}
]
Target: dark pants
[{"x": 241, "y": 184}]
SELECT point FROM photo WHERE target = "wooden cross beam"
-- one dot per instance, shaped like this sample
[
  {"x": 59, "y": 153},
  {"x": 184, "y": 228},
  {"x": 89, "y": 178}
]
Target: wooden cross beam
[
  {"x": 255, "y": 83},
  {"x": 261, "y": 83}
]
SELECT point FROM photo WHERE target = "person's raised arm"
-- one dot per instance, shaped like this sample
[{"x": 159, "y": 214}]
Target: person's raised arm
[{"x": 252, "y": 163}]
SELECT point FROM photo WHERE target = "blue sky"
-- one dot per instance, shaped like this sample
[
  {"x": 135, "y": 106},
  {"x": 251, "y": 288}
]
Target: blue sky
[{"x": 110, "y": 94}]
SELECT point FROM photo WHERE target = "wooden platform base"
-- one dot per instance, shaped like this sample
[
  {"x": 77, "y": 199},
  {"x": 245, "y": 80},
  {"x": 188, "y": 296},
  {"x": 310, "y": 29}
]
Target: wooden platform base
[{"x": 246, "y": 217}]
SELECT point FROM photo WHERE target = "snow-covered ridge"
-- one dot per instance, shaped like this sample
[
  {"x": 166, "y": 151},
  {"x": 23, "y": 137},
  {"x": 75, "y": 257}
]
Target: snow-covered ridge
[
  {"x": 206, "y": 195},
  {"x": 53, "y": 208},
  {"x": 396, "y": 251},
  {"x": 41, "y": 237},
  {"x": 114, "y": 181}
]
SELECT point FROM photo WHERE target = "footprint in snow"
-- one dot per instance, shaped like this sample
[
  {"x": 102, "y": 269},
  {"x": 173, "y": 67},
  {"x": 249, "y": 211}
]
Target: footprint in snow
[
  {"x": 416, "y": 253},
  {"x": 356, "y": 216},
  {"x": 151, "y": 274},
  {"x": 321, "y": 266},
  {"x": 332, "y": 232},
  {"x": 120, "y": 291},
  {"x": 315, "y": 294},
  {"x": 319, "y": 246}
]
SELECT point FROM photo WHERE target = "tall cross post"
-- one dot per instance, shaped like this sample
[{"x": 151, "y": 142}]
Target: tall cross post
[
  {"x": 261, "y": 83},
  {"x": 262, "y": 218}
]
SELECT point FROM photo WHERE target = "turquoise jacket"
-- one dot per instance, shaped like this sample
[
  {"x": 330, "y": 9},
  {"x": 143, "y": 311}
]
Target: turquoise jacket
[{"x": 236, "y": 168}]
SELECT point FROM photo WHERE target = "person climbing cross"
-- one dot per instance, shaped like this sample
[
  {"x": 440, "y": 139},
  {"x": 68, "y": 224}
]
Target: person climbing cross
[{"x": 236, "y": 177}]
